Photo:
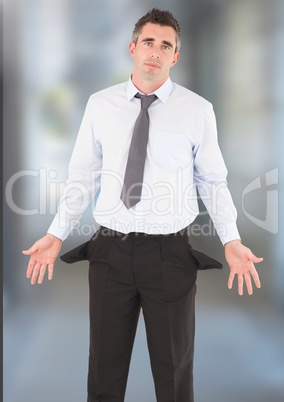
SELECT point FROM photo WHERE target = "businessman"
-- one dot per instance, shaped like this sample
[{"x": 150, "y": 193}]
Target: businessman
[{"x": 143, "y": 149}]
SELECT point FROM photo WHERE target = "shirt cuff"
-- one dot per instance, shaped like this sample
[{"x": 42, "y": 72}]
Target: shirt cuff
[
  {"x": 59, "y": 229},
  {"x": 228, "y": 232}
]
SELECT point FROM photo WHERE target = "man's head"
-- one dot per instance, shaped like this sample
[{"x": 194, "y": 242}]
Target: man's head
[
  {"x": 154, "y": 48},
  {"x": 159, "y": 17}
]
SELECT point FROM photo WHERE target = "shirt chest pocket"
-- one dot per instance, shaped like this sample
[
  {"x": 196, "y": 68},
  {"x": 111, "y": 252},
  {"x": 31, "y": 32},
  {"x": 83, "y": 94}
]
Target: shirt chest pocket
[{"x": 169, "y": 150}]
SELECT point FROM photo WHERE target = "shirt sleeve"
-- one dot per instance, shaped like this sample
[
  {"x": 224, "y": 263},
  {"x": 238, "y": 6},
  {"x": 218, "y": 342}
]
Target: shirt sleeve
[
  {"x": 210, "y": 176},
  {"x": 83, "y": 177}
]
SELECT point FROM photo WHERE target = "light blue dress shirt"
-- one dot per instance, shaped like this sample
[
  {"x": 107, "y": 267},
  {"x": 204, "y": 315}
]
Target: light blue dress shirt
[{"x": 182, "y": 155}]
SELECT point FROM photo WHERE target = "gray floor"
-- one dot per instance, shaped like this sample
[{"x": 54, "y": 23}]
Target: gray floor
[{"x": 239, "y": 350}]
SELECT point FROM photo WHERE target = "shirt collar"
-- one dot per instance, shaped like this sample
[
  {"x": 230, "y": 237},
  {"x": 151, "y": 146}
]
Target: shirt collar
[{"x": 162, "y": 93}]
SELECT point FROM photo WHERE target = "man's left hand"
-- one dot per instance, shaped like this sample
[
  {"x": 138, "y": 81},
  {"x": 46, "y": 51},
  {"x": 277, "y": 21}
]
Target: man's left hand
[{"x": 241, "y": 263}]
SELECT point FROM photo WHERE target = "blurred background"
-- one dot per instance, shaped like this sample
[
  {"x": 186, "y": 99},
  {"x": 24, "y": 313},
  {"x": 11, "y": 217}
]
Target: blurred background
[{"x": 58, "y": 52}]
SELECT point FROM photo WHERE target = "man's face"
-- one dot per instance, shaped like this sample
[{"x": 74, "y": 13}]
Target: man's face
[{"x": 154, "y": 53}]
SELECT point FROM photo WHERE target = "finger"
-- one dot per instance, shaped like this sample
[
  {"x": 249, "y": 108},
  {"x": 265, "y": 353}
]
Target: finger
[
  {"x": 240, "y": 284},
  {"x": 248, "y": 284},
  {"x": 41, "y": 274},
  {"x": 31, "y": 250},
  {"x": 50, "y": 271},
  {"x": 255, "y": 277},
  {"x": 30, "y": 267},
  {"x": 231, "y": 280},
  {"x": 254, "y": 258},
  {"x": 35, "y": 273}
]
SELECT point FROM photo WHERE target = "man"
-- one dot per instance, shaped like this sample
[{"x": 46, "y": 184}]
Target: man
[{"x": 140, "y": 257}]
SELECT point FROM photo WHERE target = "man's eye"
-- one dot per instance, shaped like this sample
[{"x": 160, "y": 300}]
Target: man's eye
[
  {"x": 147, "y": 43},
  {"x": 166, "y": 47}
]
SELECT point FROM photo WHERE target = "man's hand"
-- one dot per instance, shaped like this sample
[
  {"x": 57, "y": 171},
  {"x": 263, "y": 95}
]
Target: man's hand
[
  {"x": 241, "y": 263},
  {"x": 43, "y": 253}
]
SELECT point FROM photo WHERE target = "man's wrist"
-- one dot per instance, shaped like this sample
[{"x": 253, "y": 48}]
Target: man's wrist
[
  {"x": 52, "y": 237},
  {"x": 232, "y": 243}
]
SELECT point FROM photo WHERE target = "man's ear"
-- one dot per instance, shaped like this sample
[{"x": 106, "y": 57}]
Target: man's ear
[
  {"x": 176, "y": 58},
  {"x": 131, "y": 48}
]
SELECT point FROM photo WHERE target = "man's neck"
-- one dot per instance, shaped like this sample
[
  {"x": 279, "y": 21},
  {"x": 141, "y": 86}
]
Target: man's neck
[{"x": 146, "y": 87}]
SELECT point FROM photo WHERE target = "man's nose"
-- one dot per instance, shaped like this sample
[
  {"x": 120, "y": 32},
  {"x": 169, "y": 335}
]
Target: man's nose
[
  {"x": 155, "y": 52},
  {"x": 155, "y": 55}
]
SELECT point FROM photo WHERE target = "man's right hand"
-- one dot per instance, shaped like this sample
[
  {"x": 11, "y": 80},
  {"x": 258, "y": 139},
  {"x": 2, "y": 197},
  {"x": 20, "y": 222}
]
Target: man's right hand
[{"x": 43, "y": 254}]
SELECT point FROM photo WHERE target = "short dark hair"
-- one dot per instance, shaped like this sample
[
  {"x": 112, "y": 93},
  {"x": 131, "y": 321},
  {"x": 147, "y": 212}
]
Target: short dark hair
[{"x": 160, "y": 17}]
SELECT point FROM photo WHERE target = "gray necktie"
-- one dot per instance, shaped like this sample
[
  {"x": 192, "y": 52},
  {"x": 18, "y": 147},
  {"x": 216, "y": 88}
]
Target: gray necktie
[{"x": 132, "y": 186}]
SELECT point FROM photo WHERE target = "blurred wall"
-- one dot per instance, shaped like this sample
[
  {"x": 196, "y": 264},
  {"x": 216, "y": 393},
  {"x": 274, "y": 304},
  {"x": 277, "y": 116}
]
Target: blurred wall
[{"x": 58, "y": 52}]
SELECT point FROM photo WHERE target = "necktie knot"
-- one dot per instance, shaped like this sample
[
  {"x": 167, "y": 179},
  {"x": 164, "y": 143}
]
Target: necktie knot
[{"x": 146, "y": 100}]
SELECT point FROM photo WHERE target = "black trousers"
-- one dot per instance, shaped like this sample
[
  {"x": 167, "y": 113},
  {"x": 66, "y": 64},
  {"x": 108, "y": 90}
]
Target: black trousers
[{"x": 128, "y": 273}]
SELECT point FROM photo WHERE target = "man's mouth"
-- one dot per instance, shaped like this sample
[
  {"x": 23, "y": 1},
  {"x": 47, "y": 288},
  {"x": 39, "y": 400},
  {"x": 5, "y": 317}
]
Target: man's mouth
[{"x": 152, "y": 64}]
